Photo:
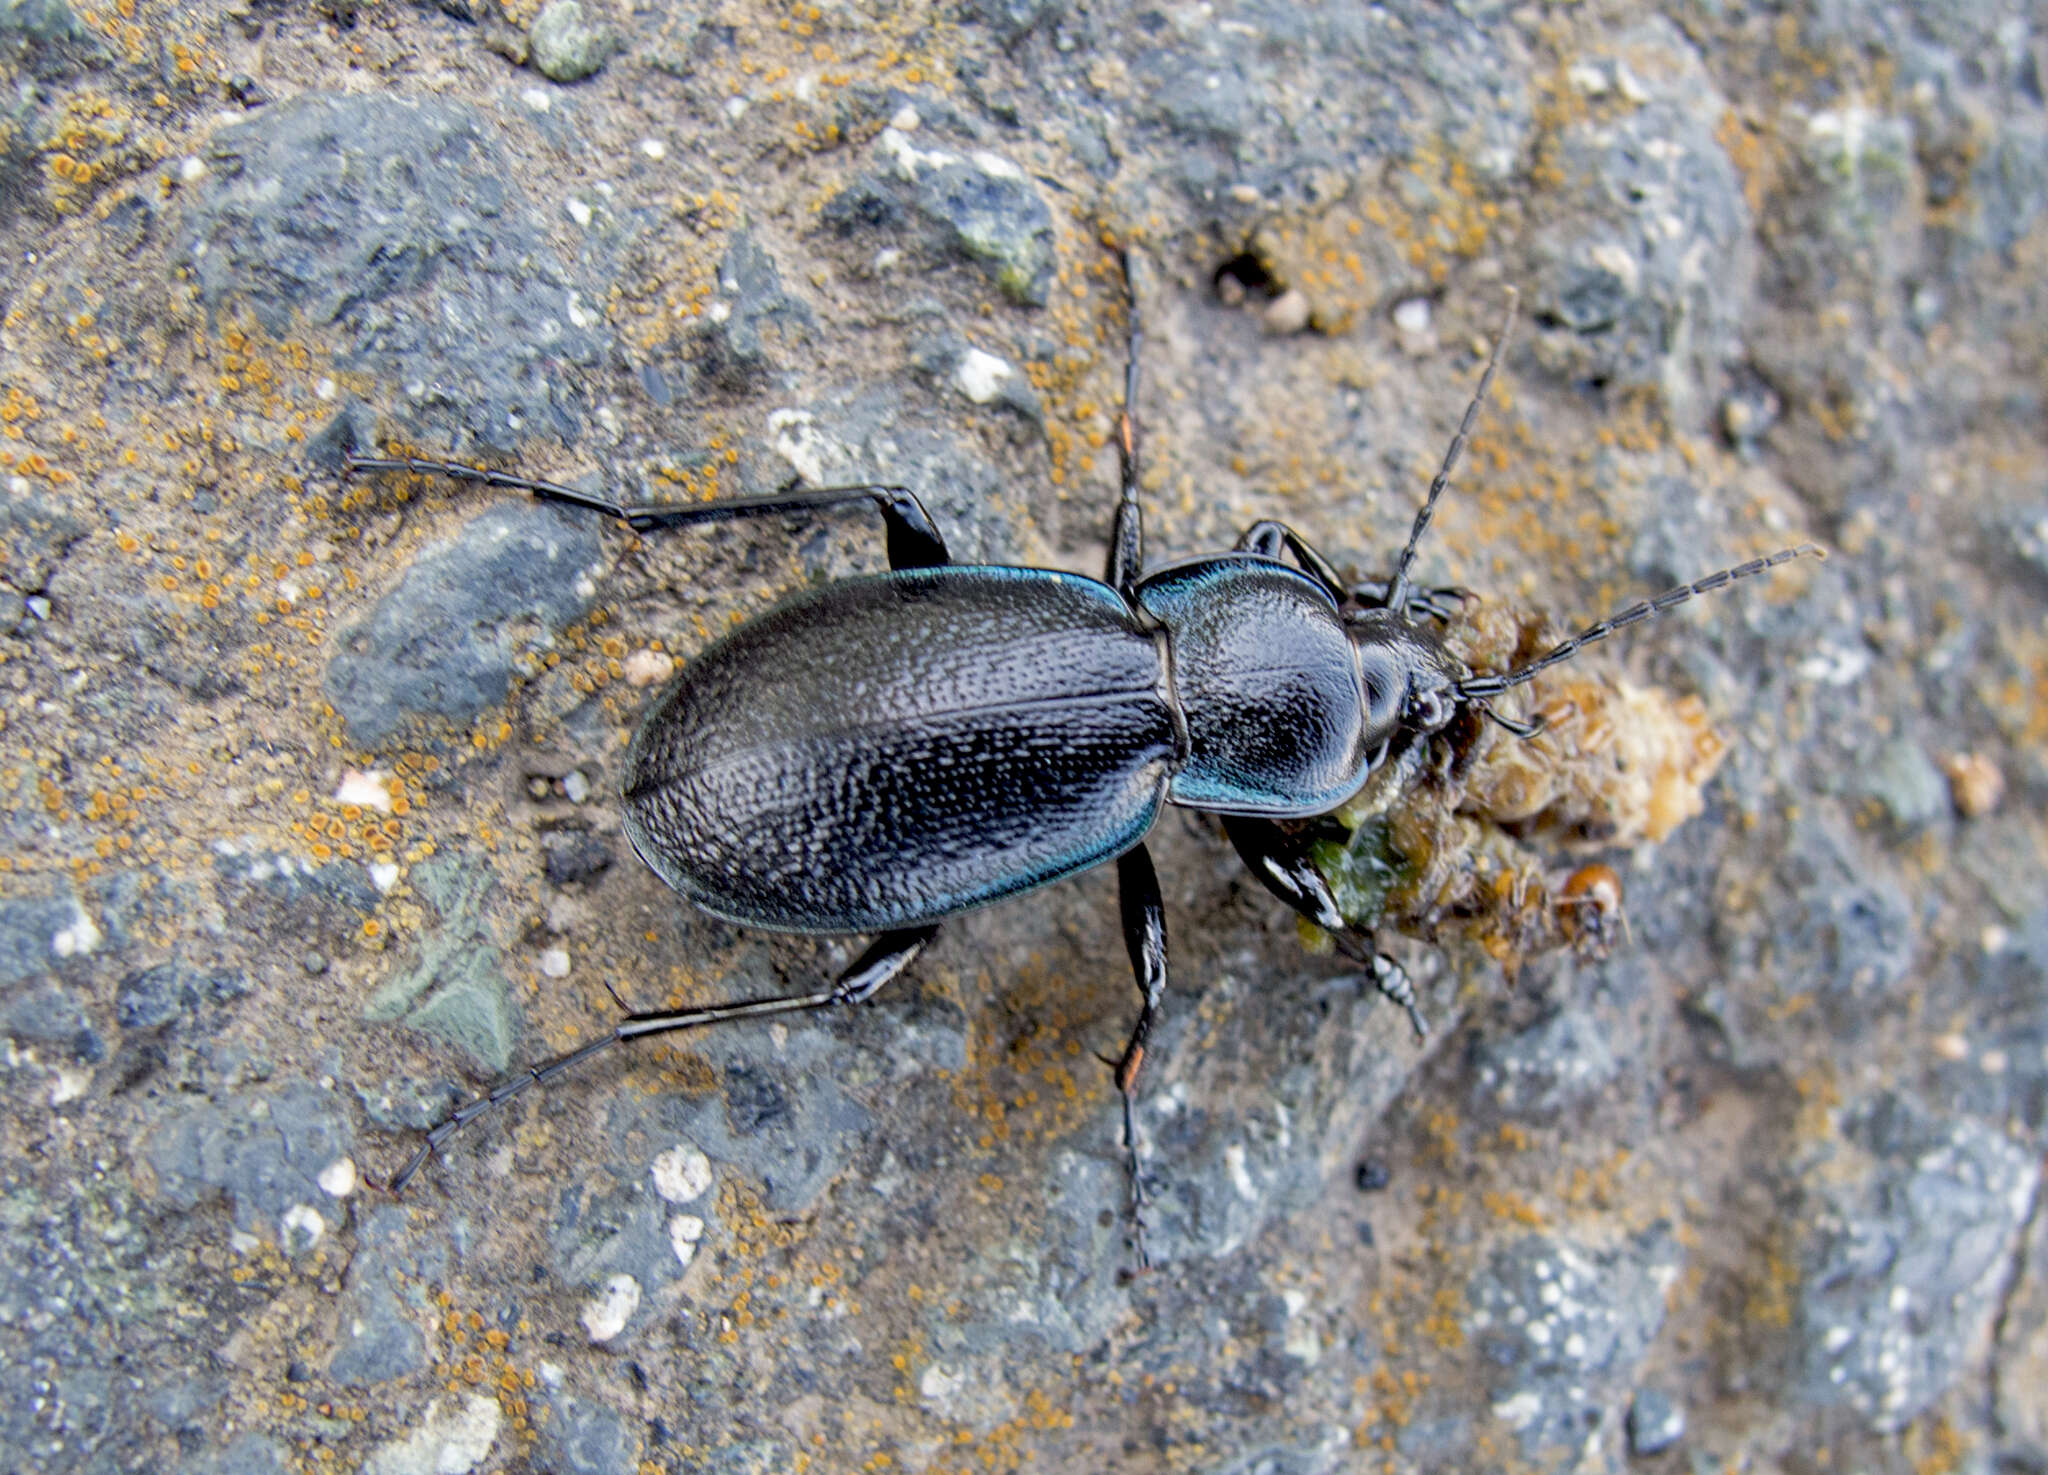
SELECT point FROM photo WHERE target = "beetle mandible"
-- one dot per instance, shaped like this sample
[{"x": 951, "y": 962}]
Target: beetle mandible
[{"x": 881, "y": 753}]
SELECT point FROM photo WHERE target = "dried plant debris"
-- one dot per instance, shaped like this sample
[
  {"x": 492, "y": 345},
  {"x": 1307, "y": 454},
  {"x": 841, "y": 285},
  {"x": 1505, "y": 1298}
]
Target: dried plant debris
[{"x": 1462, "y": 837}]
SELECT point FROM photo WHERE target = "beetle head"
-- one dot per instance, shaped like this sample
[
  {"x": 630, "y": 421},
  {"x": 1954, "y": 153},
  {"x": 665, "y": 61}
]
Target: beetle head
[{"x": 1410, "y": 681}]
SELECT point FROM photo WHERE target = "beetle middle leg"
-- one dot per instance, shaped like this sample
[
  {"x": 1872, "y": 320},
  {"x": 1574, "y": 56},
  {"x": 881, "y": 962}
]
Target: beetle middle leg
[
  {"x": 886, "y": 957},
  {"x": 914, "y": 540},
  {"x": 1144, "y": 922},
  {"x": 1279, "y": 857}
]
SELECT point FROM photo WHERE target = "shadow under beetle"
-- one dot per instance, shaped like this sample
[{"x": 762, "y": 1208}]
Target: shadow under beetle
[{"x": 881, "y": 753}]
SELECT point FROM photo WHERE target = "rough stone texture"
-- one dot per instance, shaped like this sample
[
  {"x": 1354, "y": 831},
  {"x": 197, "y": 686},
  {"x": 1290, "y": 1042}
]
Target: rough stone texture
[
  {"x": 396, "y": 220},
  {"x": 1910, "y": 1259},
  {"x": 1783, "y": 277},
  {"x": 468, "y": 614}
]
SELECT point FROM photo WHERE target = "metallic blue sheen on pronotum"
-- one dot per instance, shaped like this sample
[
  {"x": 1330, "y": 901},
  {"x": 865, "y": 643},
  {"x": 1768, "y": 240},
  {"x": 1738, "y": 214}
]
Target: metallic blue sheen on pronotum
[{"x": 882, "y": 753}]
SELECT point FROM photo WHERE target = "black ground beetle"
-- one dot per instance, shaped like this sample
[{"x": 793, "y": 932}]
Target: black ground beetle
[{"x": 881, "y": 753}]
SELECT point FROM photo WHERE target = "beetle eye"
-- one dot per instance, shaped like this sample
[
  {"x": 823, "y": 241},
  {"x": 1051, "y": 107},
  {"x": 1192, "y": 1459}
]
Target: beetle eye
[{"x": 1426, "y": 711}]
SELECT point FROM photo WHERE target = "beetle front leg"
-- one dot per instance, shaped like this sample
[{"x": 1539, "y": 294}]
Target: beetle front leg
[
  {"x": 1279, "y": 857},
  {"x": 1439, "y": 604},
  {"x": 1144, "y": 919},
  {"x": 1270, "y": 539}
]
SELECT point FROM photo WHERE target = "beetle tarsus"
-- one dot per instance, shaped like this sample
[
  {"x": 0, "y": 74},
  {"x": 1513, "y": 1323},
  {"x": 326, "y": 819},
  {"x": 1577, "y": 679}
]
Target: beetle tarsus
[
  {"x": 1391, "y": 979},
  {"x": 1140, "y": 1252}
]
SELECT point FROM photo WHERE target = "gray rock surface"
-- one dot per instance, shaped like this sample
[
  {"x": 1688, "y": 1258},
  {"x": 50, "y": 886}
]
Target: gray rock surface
[
  {"x": 467, "y": 616},
  {"x": 308, "y": 787}
]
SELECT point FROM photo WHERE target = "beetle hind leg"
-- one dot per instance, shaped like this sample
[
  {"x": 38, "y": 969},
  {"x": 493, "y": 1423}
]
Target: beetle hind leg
[{"x": 886, "y": 957}]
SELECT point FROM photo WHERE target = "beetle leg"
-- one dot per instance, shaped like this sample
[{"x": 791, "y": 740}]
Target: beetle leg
[
  {"x": 886, "y": 957},
  {"x": 1127, "y": 529},
  {"x": 1269, "y": 539},
  {"x": 1439, "y": 604},
  {"x": 914, "y": 539},
  {"x": 1144, "y": 918},
  {"x": 1279, "y": 857}
]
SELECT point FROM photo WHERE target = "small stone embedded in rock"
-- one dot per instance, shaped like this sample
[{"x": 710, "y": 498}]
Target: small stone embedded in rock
[
  {"x": 338, "y": 1178},
  {"x": 567, "y": 44},
  {"x": 1287, "y": 314},
  {"x": 684, "y": 1233},
  {"x": 981, "y": 376},
  {"x": 572, "y": 856},
  {"x": 649, "y": 667},
  {"x": 1655, "y": 1423},
  {"x": 1975, "y": 783},
  {"x": 1413, "y": 326},
  {"x": 449, "y": 1441},
  {"x": 681, "y": 1174},
  {"x": 607, "y": 1313},
  {"x": 301, "y": 1228}
]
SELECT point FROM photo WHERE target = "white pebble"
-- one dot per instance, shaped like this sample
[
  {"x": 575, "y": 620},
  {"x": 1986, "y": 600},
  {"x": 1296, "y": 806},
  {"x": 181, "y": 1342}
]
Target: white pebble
[
  {"x": 904, "y": 119},
  {"x": 649, "y": 667},
  {"x": 1413, "y": 327},
  {"x": 981, "y": 376},
  {"x": 384, "y": 875},
  {"x": 608, "y": 1312},
  {"x": 681, "y": 1174},
  {"x": 576, "y": 785},
  {"x": 1288, "y": 313},
  {"x": 365, "y": 789},
  {"x": 555, "y": 962},
  {"x": 192, "y": 170},
  {"x": 684, "y": 1231},
  {"x": 654, "y": 149},
  {"x": 1413, "y": 315},
  {"x": 80, "y": 938},
  {"x": 451, "y": 1442},
  {"x": 301, "y": 1228},
  {"x": 579, "y": 212},
  {"x": 338, "y": 1178}
]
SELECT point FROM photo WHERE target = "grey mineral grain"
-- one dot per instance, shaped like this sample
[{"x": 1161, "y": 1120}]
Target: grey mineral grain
[
  {"x": 447, "y": 641},
  {"x": 264, "y": 1151},
  {"x": 569, "y": 43}
]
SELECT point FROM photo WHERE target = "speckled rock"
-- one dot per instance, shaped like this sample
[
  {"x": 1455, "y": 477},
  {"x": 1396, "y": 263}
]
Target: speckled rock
[
  {"x": 568, "y": 43},
  {"x": 1782, "y": 280},
  {"x": 476, "y": 609},
  {"x": 1906, "y": 1266},
  {"x": 1563, "y": 1326},
  {"x": 396, "y": 219}
]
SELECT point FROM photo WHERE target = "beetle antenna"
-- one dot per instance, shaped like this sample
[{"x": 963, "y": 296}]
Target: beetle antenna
[
  {"x": 1397, "y": 592},
  {"x": 1480, "y": 688}
]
